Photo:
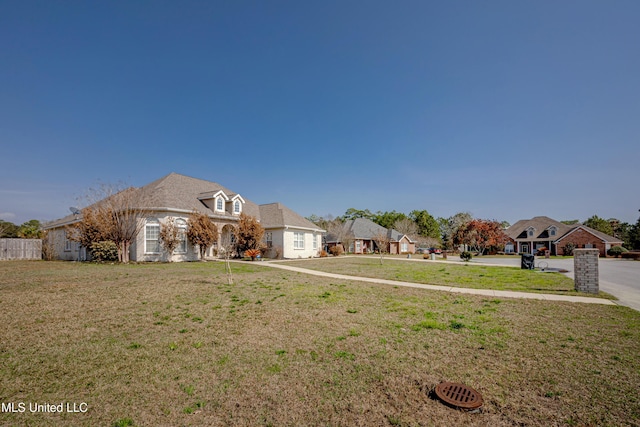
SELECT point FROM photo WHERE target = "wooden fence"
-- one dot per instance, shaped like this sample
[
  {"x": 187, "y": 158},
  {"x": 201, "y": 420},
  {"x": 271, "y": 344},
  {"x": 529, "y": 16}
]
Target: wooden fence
[{"x": 20, "y": 249}]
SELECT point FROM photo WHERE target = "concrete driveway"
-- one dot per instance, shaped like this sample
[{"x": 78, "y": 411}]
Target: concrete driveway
[{"x": 618, "y": 277}]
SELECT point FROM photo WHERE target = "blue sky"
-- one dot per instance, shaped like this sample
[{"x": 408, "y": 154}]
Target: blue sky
[{"x": 504, "y": 109}]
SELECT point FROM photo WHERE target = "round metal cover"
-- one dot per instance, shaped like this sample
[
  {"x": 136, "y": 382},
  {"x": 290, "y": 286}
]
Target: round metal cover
[{"x": 459, "y": 395}]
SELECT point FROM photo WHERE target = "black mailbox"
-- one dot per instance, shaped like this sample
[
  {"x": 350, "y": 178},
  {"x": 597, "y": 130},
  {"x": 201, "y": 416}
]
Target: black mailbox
[{"x": 527, "y": 262}]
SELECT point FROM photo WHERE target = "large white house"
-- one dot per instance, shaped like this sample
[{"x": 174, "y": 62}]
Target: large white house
[{"x": 175, "y": 197}]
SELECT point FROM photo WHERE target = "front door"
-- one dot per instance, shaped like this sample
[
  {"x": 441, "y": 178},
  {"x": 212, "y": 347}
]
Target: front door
[{"x": 524, "y": 248}]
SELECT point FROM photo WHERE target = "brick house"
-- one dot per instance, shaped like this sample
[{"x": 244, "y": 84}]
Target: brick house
[
  {"x": 362, "y": 233},
  {"x": 586, "y": 237},
  {"x": 530, "y": 235}
]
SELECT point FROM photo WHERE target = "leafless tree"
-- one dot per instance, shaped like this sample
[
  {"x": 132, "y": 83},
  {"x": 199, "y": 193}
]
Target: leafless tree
[
  {"x": 382, "y": 241},
  {"x": 338, "y": 232},
  {"x": 227, "y": 247},
  {"x": 407, "y": 227},
  {"x": 114, "y": 213}
]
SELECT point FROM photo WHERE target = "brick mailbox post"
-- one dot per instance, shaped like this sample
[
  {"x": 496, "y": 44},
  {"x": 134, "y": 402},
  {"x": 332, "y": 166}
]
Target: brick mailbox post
[{"x": 585, "y": 267}]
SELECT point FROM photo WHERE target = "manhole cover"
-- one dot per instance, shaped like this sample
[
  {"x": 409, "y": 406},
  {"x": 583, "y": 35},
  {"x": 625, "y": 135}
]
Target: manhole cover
[{"x": 459, "y": 395}]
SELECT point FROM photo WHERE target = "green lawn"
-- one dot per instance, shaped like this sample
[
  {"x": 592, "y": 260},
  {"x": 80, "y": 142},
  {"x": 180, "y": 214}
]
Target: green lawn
[
  {"x": 456, "y": 275},
  {"x": 173, "y": 344}
]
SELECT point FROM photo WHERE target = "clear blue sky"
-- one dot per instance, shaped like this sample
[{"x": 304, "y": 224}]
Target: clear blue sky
[{"x": 506, "y": 109}]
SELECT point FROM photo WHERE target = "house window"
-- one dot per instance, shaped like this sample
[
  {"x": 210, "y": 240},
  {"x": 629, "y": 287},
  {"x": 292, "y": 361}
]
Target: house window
[
  {"x": 552, "y": 231},
  {"x": 67, "y": 243},
  {"x": 268, "y": 237},
  {"x": 588, "y": 246},
  {"x": 152, "y": 236},
  {"x": 182, "y": 235},
  {"x": 404, "y": 247},
  {"x": 298, "y": 240},
  {"x": 219, "y": 204},
  {"x": 508, "y": 248},
  {"x": 530, "y": 232},
  {"x": 358, "y": 246},
  {"x": 315, "y": 242},
  {"x": 236, "y": 207}
]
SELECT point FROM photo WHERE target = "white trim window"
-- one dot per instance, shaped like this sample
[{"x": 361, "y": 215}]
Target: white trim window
[
  {"x": 268, "y": 238},
  {"x": 181, "y": 224},
  {"x": 237, "y": 208},
  {"x": 552, "y": 231},
  {"x": 404, "y": 247},
  {"x": 298, "y": 240},
  {"x": 315, "y": 242},
  {"x": 219, "y": 204},
  {"x": 152, "y": 236}
]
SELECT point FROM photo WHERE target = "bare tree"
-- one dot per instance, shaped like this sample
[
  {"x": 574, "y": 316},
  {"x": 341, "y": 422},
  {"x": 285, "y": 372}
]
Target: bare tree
[
  {"x": 169, "y": 236},
  {"x": 382, "y": 241},
  {"x": 201, "y": 232},
  {"x": 407, "y": 227},
  {"x": 116, "y": 214},
  {"x": 227, "y": 246},
  {"x": 339, "y": 233}
]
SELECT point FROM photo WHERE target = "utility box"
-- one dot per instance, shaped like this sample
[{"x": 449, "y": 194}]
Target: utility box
[{"x": 527, "y": 262}]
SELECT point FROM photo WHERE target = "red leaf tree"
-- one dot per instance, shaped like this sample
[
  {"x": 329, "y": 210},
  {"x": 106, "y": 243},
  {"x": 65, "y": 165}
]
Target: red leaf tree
[{"x": 480, "y": 234}]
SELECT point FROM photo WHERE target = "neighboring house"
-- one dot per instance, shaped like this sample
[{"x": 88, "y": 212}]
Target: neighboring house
[
  {"x": 360, "y": 238},
  {"x": 530, "y": 235},
  {"x": 176, "y": 196},
  {"x": 288, "y": 232}
]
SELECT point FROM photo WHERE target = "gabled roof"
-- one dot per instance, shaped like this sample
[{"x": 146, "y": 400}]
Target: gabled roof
[
  {"x": 181, "y": 192},
  {"x": 365, "y": 229},
  {"x": 540, "y": 224},
  {"x": 277, "y": 215},
  {"x": 598, "y": 234}
]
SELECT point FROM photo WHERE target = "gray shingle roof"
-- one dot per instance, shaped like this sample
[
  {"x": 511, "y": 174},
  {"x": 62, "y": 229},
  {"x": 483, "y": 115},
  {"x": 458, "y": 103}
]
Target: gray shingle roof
[
  {"x": 277, "y": 215},
  {"x": 540, "y": 224},
  {"x": 363, "y": 228},
  {"x": 182, "y": 192}
]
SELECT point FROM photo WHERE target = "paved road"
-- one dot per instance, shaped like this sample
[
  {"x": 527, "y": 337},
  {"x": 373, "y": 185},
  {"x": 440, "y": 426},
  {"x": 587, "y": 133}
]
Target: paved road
[{"x": 618, "y": 277}]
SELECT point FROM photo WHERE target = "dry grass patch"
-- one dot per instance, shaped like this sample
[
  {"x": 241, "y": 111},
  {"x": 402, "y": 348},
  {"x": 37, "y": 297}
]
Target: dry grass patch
[{"x": 173, "y": 344}]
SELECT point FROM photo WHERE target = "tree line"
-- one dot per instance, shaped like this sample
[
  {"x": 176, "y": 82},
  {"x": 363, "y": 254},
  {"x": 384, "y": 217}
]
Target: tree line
[{"x": 31, "y": 229}]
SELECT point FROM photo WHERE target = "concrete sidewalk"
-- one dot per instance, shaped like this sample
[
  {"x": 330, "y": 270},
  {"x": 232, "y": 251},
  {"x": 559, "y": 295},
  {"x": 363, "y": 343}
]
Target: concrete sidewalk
[{"x": 485, "y": 292}]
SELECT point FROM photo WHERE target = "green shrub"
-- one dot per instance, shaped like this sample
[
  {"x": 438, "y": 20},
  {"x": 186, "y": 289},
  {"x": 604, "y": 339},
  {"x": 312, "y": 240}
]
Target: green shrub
[
  {"x": 568, "y": 249},
  {"x": 616, "y": 251},
  {"x": 105, "y": 251},
  {"x": 466, "y": 256}
]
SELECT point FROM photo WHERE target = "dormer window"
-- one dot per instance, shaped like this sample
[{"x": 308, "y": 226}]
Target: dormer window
[
  {"x": 219, "y": 204},
  {"x": 552, "y": 231},
  {"x": 530, "y": 231},
  {"x": 235, "y": 206}
]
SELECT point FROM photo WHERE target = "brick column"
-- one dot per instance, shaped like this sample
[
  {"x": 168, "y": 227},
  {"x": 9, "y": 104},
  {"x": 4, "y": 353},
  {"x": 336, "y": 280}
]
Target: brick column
[{"x": 585, "y": 267}]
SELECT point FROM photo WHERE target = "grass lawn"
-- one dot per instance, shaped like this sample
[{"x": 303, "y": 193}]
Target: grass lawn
[
  {"x": 173, "y": 344},
  {"x": 456, "y": 275}
]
